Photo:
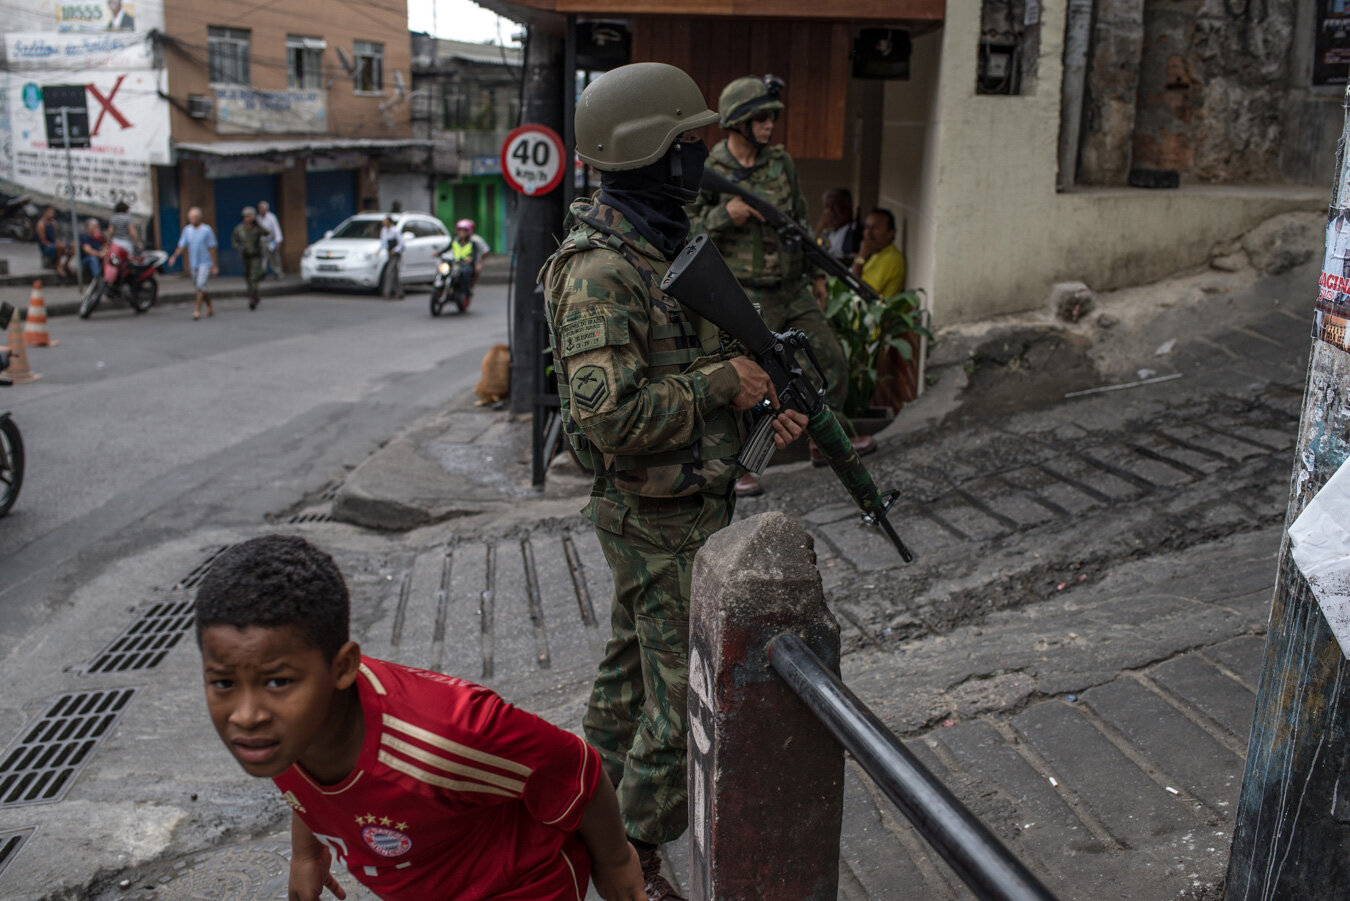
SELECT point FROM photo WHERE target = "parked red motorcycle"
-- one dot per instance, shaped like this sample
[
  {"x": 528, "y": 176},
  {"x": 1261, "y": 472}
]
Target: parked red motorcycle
[{"x": 126, "y": 276}]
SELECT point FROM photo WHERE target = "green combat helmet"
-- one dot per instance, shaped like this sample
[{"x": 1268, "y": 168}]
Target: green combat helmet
[
  {"x": 745, "y": 97},
  {"x": 630, "y": 116}
]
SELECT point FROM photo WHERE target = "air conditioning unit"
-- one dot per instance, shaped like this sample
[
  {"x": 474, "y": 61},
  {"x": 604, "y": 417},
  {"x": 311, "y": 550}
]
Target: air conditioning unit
[{"x": 199, "y": 106}]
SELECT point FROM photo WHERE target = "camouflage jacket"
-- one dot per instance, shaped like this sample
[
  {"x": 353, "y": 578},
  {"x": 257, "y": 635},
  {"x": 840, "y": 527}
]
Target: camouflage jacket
[
  {"x": 249, "y": 240},
  {"x": 644, "y": 383},
  {"x": 753, "y": 250}
]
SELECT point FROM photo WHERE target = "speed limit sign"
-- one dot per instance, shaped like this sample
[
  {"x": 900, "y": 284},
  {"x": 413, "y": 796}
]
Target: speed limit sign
[{"x": 532, "y": 159}]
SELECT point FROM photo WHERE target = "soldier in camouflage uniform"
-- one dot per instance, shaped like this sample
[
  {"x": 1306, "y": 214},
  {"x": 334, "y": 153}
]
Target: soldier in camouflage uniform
[
  {"x": 774, "y": 276},
  {"x": 652, "y": 398}
]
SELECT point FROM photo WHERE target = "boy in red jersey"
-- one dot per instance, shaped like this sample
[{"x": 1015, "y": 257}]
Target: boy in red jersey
[{"x": 424, "y": 786}]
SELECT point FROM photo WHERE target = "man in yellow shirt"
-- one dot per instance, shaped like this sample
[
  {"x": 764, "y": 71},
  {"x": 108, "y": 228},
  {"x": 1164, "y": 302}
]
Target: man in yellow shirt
[{"x": 878, "y": 262}]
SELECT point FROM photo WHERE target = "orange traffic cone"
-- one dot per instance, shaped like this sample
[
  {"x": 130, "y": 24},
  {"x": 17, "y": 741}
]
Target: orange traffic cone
[
  {"x": 35, "y": 332},
  {"x": 18, "y": 370}
]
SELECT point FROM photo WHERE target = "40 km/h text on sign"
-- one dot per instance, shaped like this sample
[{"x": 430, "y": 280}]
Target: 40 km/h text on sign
[{"x": 532, "y": 159}]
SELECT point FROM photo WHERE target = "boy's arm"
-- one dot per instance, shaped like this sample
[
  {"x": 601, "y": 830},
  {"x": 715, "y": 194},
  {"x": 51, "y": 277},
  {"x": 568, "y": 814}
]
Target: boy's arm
[
  {"x": 309, "y": 865},
  {"x": 614, "y": 862}
]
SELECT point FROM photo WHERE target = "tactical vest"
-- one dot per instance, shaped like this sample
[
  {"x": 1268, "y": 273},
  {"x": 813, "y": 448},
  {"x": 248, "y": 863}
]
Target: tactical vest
[
  {"x": 678, "y": 341},
  {"x": 753, "y": 250}
]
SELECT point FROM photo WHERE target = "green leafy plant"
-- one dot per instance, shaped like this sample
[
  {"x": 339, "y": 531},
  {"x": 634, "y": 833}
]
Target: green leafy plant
[{"x": 867, "y": 329}]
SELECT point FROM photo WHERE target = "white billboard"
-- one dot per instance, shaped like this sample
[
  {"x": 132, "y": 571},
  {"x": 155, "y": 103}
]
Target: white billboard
[
  {"x": 128, "y": 116},
  {"x": 84, "y": 15}
]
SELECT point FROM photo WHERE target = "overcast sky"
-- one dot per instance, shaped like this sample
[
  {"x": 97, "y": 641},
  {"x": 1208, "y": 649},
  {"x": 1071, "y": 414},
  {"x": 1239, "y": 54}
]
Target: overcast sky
[{"x": 460, "y": 20}]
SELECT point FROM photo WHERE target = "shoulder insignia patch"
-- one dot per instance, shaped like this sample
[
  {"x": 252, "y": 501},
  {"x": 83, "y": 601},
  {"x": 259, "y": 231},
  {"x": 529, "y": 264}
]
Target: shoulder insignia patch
[
  {"x": 584, "y": 334},
  {"x": 590, "y": 388}
]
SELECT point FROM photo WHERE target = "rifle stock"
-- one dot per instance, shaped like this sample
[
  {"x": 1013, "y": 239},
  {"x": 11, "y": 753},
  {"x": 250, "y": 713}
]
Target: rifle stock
[{"x": 701, "y": 280}]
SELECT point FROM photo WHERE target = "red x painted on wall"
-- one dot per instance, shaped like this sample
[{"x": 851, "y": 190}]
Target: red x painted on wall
[{"x": 107, "y": 106}]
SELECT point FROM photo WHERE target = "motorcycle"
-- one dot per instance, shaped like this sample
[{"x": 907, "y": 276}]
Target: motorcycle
[
  {"x": 11, "y": 442},
  {"x": 129, "y": 277},
  {"x": 18, "y": 218},
  {"x": 454, "y": 278}
]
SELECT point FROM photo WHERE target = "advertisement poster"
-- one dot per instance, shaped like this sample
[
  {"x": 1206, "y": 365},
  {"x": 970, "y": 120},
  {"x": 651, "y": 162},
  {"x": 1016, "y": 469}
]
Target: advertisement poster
[
  {"x": 250, "y": 112},
  {"x": 128, "y": 119},
  {"x": 84, "y": 15},
  {"x": 1331, "y": 43}
]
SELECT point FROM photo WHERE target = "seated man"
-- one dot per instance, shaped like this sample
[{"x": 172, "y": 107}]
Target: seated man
[
  {"x": 55, "y": 252},
  {"x": 879, "y": 262},
  {"x": 837, "y": 230},
  {"x": 93, "y": 247}
]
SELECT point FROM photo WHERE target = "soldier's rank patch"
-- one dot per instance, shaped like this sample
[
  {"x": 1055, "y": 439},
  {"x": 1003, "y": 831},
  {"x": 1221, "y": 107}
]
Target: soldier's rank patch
[
  {"x": 584, "y": 334},
  {"x": 590, "y": 387}
]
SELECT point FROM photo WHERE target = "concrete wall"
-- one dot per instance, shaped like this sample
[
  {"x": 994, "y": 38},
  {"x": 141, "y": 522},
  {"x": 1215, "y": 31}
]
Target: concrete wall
[
  {"x": 411, "y": 189},
  {"x": 1002, "y": 235},
  {"x": 909, "y": 173}
]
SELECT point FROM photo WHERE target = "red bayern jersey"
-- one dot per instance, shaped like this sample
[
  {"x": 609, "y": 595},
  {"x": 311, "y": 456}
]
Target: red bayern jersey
[{"x": 456, "y": 794}]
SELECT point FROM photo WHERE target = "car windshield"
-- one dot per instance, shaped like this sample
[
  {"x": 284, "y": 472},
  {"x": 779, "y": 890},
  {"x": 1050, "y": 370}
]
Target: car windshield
[{"x": 358, "y": 228}]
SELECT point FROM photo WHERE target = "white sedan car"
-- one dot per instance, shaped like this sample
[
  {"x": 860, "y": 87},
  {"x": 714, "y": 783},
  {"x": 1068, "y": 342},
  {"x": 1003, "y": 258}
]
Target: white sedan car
[{"x": 352, "y": 254}]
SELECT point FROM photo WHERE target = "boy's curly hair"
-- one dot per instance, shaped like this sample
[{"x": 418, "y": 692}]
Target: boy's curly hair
[{"x": 275, "y": 581}]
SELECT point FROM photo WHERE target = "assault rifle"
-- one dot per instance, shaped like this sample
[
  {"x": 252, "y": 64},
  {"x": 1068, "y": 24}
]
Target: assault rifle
[
  {"x": 701, "y": 280},
  {"x": 793, "y": 236}
]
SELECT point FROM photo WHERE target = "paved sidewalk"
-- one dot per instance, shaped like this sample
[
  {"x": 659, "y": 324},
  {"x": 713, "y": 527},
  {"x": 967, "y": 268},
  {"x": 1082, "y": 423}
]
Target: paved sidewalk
[{"x": 1074, "y": 652}]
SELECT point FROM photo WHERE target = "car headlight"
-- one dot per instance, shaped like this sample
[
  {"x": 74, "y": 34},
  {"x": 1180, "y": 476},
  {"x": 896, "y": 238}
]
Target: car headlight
[
  {"x": 444, "y": 268},
  {"x": 309, "y": 252}
]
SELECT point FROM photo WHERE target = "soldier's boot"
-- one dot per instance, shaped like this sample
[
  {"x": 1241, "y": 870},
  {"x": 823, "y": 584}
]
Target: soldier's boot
[{"x": 658, "y": 889}]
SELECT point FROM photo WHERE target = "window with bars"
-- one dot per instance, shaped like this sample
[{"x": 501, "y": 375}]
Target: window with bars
[
  {"x": 304, "y": 62},
  {"x": 369, "y": 67},
  {"x": 227, "y": 49}
]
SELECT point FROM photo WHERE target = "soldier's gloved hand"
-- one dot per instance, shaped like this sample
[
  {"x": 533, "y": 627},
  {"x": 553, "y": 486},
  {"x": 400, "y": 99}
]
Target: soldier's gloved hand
[
  {"x": 739, "y": 211},
  {"x": 788, "y": 426},
  {"x": 755, "y": 385}
]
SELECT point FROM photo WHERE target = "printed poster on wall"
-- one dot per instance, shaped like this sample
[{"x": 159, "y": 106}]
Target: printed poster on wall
[
  {"x": 1331, "y": 43},
  {"x": 128, "y": 118}
]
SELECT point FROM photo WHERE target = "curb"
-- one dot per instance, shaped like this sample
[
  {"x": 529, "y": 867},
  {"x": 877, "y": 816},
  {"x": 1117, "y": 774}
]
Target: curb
[{"x": 72, "y": 307}]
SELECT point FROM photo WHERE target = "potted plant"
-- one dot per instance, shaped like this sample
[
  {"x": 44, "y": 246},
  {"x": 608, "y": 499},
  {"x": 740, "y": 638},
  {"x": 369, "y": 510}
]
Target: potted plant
[{"x": 881, "y": 341}]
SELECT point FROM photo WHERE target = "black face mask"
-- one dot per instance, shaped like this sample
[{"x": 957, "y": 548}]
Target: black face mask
[
  {"x": 686, "y": 161},
  {"x": 652, "y": 197}
]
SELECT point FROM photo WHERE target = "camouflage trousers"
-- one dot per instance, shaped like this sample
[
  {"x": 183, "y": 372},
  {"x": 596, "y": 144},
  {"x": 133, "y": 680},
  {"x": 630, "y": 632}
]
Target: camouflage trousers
[
  {"x": 636, "y": 714},
  {"x": 792, "y": 306}
]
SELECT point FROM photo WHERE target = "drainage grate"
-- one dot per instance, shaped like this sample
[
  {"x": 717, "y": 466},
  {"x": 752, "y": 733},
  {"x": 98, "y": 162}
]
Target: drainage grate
[
  {"x": 10, "y": 843},
  {"x": 194, "y": 578},
  {"x": 313, "y": 516},
  {"x": 41, "y": 766},
  {"x": 144, "y": 643}
]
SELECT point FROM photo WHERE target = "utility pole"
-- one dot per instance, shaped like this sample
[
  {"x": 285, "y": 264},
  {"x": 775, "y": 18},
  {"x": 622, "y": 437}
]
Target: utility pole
[
  {"x": 1293, "y": 819},
  {"x": 538, "y": 219},
  {"x": 70, "y": 177}
]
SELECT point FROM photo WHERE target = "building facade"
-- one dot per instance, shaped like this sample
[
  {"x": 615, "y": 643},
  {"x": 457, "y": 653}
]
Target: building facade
[
  {"x": 300, "y": 102},
  {"x": 1011, "y": 138}
]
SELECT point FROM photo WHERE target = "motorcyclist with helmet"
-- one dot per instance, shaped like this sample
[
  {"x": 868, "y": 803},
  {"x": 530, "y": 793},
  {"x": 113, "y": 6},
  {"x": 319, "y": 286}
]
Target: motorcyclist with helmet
[
  {"x": 464, "y": 249},
  {"x": 773, "y": 275},
  {"x": 651, "y": 398}
]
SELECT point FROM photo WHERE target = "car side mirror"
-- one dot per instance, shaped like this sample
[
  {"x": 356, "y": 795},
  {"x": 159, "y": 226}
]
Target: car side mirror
[{"x": 328, "y": 234}]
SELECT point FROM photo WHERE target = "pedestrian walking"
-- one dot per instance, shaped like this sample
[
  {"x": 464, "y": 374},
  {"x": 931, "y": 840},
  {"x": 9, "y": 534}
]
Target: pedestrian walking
[
  {"x": 773, "y": 273},
  {"x": 268, "y": 220},
  {"x": 199, "y": 240},
  {"x": 651, "y": 398},
  {"x": 250, "y": 239},
  {"x": 391, "y": 239}
]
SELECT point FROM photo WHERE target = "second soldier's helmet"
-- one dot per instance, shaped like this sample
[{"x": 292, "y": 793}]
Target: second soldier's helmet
[
  {"x": 630, "y": 116},
  {"x": 746, "y": 97}
]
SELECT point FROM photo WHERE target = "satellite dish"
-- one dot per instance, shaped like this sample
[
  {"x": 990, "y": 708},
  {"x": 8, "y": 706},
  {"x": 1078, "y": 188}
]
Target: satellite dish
[{"x": 346, "y": 61}]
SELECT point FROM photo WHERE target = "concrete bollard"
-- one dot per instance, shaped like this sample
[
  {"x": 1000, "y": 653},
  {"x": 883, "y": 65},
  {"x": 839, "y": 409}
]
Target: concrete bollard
[{"x": 766, "y": 778}]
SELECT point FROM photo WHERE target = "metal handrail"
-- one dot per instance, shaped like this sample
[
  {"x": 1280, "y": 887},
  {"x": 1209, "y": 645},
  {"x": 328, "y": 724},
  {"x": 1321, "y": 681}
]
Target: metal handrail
[{"x": 987, "y": 867}]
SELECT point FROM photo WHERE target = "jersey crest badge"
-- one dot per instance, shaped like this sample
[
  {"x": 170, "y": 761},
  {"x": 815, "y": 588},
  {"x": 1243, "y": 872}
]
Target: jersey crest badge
[{"x": 386, "y": 842}]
